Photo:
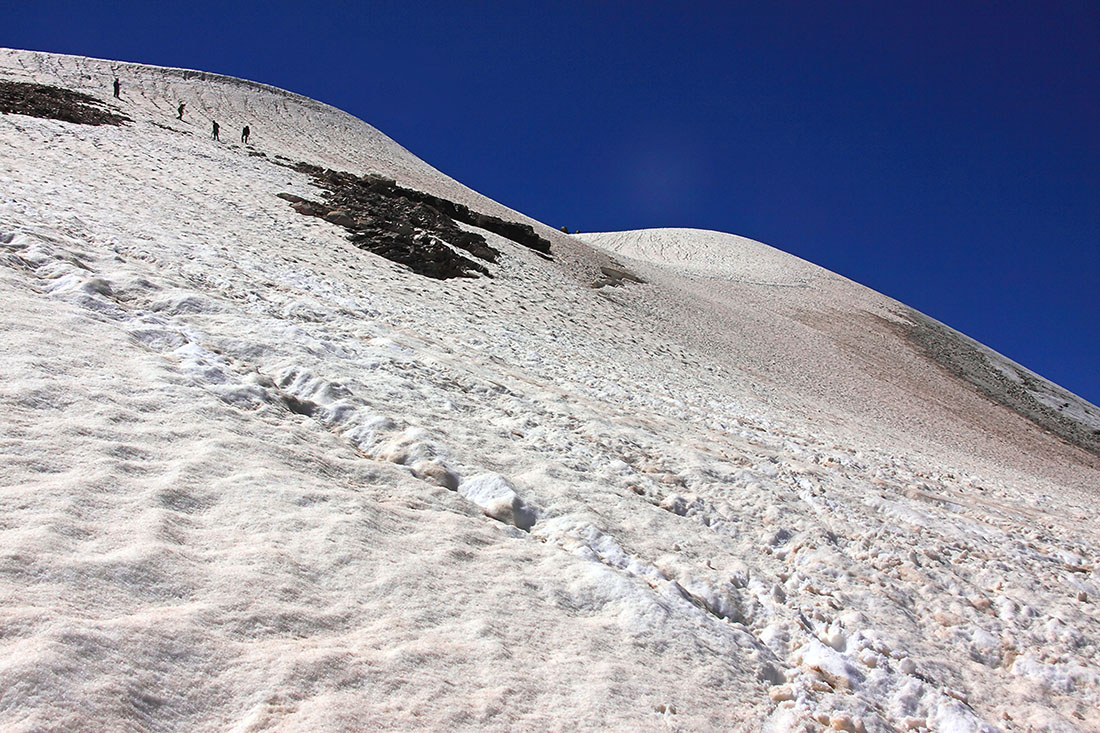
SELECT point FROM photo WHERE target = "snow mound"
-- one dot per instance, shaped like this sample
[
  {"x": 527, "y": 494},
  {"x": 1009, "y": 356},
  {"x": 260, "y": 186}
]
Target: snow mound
[{"x": 710, "y": 254}]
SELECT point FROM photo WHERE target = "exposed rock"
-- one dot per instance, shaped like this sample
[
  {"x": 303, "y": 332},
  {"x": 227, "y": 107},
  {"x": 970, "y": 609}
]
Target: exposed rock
[
  {"x": 342, "y": 218},
  {"x": 392, "y": 226},
  {"x": 310, "y": 208},
  {"x": 408, "y": 226},
  {"x": 55, "y": 103},
  {"x": 966, "y": 360},
  {"x": 523, "y": 234}
]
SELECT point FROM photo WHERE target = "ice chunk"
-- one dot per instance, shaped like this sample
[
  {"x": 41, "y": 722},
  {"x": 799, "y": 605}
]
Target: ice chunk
[
  {"x": 830, "y": 665},
  {"x": 499, "y": 500},
  {"x": 985, "y": 648}
]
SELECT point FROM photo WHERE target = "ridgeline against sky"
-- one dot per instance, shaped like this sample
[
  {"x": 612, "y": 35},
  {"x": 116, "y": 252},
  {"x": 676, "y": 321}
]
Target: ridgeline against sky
[{"x": 944, "y": 155}]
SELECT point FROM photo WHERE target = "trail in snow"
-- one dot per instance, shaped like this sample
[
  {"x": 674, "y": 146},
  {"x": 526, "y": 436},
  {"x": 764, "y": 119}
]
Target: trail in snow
[{"x": 259, "y": 477}]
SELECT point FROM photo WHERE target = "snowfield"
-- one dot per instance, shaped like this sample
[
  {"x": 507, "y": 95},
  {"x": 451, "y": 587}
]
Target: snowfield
[{"x": 258, "y": 478}]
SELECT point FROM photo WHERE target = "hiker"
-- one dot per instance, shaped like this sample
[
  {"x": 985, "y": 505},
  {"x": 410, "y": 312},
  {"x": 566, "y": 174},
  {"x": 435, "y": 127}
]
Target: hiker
[
  {"x": 244, "y": 135},
  {"x": 117, "y": 87},
  {"x": 179, "y": 111},
  {"x": 216, "y": 128}
]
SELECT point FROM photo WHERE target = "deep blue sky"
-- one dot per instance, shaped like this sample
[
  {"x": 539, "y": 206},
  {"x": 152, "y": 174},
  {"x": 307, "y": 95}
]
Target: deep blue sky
[{"x": 944, "y": 153}]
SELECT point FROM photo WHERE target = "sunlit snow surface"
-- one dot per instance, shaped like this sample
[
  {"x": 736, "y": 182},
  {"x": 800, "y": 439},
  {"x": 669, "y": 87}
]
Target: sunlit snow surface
[{"x": 254, "y": 477}]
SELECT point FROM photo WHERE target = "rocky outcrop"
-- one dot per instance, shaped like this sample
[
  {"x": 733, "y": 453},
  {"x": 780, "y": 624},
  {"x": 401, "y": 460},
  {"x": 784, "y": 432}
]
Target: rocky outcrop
[
  {"x": 401, "y": 231},
  {"x": 411, "y": 227},
  {"x": 523, "y": 234},
  {"x": 55, "y": 103}
]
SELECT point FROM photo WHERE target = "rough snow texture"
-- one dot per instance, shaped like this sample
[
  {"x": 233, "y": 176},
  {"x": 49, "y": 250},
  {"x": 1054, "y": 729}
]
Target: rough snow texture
[{"x": 255, "y": 477}]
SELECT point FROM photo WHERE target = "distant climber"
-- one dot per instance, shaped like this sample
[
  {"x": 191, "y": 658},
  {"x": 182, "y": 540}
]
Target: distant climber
[
  {"x": 216, "y": 128},
  {"x": 117, "y": 86},
  {"x": 179, "y": 111},
  {"x": 244, "y": 135}
]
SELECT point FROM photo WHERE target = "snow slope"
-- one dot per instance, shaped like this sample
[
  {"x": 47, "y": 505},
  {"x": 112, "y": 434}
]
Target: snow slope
[{"x": 258, "y": 478}]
